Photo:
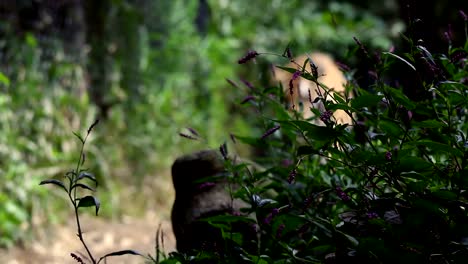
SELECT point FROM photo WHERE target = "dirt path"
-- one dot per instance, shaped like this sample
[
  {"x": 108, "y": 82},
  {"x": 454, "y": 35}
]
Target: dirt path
[{"x": 104, "y": 236}]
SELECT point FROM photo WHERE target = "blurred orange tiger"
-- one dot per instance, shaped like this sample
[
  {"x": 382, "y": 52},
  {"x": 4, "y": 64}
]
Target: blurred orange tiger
[{"x": 328, "y": 74}]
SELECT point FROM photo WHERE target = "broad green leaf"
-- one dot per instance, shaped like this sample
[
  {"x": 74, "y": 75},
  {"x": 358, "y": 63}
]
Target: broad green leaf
[
  {"x": 436, "y": 146},
  {"x": 290, "y": 70},
  {"x": 253, "y": 141},
  {"x": 390, "y": 128},
  {"x": 340, "y": 106},
  {"x": 429, "y": 124},
  {"x": 339, "y": 98},
  {"x": 4, "y": 79},
  {"x": 400, "y": 97},
  {"x": 411, "y": 163},
  {"x": 366, "y": 100},
  {"x": 445, "y": 194}
]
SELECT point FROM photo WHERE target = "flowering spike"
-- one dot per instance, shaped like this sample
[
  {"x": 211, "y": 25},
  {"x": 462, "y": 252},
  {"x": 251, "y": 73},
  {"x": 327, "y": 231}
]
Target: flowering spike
[
  {"x": 388, "y": 156},
  {"x": 343, "y": 196},
  {"x": 193, "y": 131},
  {"x": 250, "y": 55},
  {"x": 279, "y": 231},
  {"x": 231, "y": 82},
  {"x": 205, "y": 185},
  {"x": 463, "y": 15},
  {"x": 325, "y": 116},
  {"x": 270, "y": 131},
  {"x": 247, "y": 99},
  {"x": 224, "y": 151},
  {"x": 292, "y": 176},
  {"x": 77, "y": 258},
  {"x": 187, "y": 136},
  {"x": 270, "y": 216},
  {"x": 248, "y": 84},
  {"x": 288, "y": 53},
  {"x": 361, "y": 47},
  {"x": 233, "y": 138}
]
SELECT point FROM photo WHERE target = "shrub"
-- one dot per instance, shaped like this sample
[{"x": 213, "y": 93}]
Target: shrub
[{"x": 390, "y": 189}]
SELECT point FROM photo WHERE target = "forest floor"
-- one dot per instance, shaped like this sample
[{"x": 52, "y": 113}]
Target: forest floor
[
  {"x": 53, "y": 244},
  {"x": 104, "y": 236}
]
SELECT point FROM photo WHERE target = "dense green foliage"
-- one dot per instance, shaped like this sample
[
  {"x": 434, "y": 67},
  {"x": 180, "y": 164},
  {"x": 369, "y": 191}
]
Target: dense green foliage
[
  {"x": 157, "y": 73},
  {"x": 390, "y": 189}
]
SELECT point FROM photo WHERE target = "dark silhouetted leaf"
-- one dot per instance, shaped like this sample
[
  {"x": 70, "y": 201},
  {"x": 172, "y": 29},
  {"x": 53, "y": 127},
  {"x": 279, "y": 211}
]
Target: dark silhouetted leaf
[
  {"x": 93, "y": 125},
  {"x": 87, "y": 175},
  {"x": 79, "y": 137},
  {"x": 89, "y": 201},
  {"x": 306, "y": 150},
  {"x": 401, "y": 59},
  {"x": 122, "y": 252},
  {"x": 400, "y": 97},
  {"x": 54, "y": 182},
  {"x": 81, "y": 185}
]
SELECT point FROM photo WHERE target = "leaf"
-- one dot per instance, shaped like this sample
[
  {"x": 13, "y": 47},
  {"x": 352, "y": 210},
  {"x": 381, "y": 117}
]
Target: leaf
[
  {"x": 320, "y": 133},
  {"x": 87, "y": 175},
  {"x": 340, "y": 106},
  {"x": 366, "y": 100},
  {"x": 426, "y": 53},
  {"x": 400, "y": 97},
  {"x": 415, "y": 164},
  {"x": 351, "y": 239},
  {"x": 251, "y": 141},
  {"x": 436, "y": 147},
  {"x": 279, "y": 110},
  {"x": 89, "y": 201},
  {"x": 290, "y": 70},
  {"x": 390, "y": 128},
  {"x": 260, "y": 202},
  {"x": 84, "y": 186},
  {"x": 445, "y": 194},
  {"x": 429, "y": 124},
  {"x": 4, "y": 79},
  {"x": 121, "y": 253},
  {"x": 54, "y": 182},
  {"x": 339, "y": 98},
  {"x": 93, "y": 125},
  {"x": 79, "y": 137},
  {"x": 400, "y": 58},
  {"x": 306, "y": 150}
]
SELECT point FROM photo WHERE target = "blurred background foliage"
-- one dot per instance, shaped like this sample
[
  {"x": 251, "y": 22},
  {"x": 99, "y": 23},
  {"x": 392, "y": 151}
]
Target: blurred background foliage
[{"x": 148, "y": 70}]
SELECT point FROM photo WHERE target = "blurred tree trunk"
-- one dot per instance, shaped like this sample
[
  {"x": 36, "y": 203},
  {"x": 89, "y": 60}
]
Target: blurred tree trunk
[
  {"x": 130, "y": 28},
  {"x": 203, "y": 17},
  {"x": 99, "y": 62},
  {"x": 200, "y": 69}
]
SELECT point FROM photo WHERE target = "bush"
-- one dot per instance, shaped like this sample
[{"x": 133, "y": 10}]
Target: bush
[{"x": 390, "y": 189}]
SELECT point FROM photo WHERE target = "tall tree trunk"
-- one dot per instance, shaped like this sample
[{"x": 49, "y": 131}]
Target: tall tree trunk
[{"x": 98, "y": 65}]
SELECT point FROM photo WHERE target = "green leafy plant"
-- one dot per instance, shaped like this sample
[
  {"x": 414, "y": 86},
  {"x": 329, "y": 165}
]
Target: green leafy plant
[
  {"x": 77, "y": 179},
  {"x": 391, "y": 188}
]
